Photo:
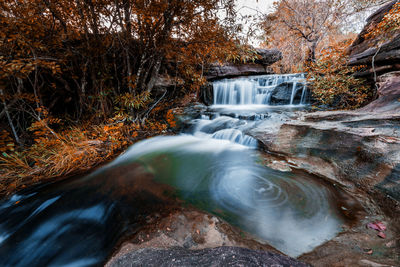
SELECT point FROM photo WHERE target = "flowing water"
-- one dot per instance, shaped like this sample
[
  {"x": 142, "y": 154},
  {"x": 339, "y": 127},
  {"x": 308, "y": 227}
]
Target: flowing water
[
  {"x": 213, "y": 165},
  {"x": 259, "y": 90}
]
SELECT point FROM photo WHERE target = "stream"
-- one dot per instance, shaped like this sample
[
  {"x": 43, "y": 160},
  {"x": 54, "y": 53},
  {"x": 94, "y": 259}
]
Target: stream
[{"x": 213, "y": 165}]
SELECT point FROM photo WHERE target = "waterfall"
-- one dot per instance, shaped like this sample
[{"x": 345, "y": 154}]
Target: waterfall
[
  {"x": 303, "y": 95},
  {"x": 261, "y": 90},
  {"x": 293, "y": 92}
]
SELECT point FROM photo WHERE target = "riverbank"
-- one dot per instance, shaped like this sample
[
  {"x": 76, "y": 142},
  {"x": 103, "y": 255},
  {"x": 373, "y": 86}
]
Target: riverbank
[{"x": 57, "y": 155}]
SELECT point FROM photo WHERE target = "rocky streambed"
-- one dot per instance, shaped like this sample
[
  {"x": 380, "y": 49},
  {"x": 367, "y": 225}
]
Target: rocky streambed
[
  {"x": 354, "y": 152},
  {"x": 243, "y": 185},
  {"x": 358, "y": 152}
]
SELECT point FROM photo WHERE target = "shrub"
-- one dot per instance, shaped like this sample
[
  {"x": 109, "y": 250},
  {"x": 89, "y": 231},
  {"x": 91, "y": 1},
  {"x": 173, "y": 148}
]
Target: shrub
[{"x": 332, "y": 82}]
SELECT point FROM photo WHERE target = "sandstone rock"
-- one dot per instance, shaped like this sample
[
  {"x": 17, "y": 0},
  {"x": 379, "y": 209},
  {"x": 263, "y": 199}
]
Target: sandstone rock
[
  {"x": 165, "y": 82},
  {"x": 359, "y": 150},
  {"x": 188, "y": 237},
  {"x": 221, "y": 256},
  {"x": 386, "y": 52},
  {"x": 268, "y": 56},
  {"x": 388, "y": 94},
  {"x": 258, "y": 67},
  {"x": 230, "y": 70}
]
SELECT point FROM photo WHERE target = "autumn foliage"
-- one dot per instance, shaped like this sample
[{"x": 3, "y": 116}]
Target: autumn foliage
[
  {"x": 389, "y": 23},
  {"x": 78, "y": 79},
  {"x": 332, "y": 82},
  {"x": 301, "y": 29},
  {"x": 74, "y": 149}
]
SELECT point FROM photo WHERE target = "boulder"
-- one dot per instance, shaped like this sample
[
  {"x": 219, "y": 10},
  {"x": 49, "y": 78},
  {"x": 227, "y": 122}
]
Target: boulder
[
  {"x": 388, "y": 94},
  {"x": 282, "y": 94},
  {"x": 189, "y": 237},
  {"x": 258, "y": 67},
  {"x": 220, "y": 256},
  {"x": 268, "y": 56}
]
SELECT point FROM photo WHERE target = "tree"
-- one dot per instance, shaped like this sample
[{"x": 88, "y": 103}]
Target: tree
[
  {"x": 81, "y": 59},
  {"x": 301, "y": 26}
]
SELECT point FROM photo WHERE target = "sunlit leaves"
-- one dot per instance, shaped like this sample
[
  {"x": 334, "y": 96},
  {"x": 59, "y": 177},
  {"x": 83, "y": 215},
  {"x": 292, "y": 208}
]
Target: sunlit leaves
[
  {"x": 332, "y": 82},
  {"x": 389, "y": 23}
]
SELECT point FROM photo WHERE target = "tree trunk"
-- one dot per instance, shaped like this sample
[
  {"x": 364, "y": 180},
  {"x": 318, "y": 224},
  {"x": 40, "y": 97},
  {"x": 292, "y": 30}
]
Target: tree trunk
[
  {"x": 312, "y": 47},
  {"x": 154, "y": 74}
]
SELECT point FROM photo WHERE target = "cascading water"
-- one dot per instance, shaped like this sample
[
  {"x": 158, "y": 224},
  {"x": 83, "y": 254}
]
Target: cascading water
[
  {"x": 213, "y": 165},
  {"x": 260, "y": 90}
]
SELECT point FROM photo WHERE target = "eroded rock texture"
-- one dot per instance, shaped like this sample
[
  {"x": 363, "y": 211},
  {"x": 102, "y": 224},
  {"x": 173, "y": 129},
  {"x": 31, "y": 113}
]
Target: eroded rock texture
[
  {"x": 388, "y": 94},
  {"x": 221, "y": 256},
  {"x": 258, "y": 67},
  {"x": 385, "y": 50},
  {"x": 360, "y": 150}
]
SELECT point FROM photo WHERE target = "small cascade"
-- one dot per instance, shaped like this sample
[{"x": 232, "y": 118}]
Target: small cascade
[
  {"x": 261, "y": 90},
  {"x": 236, "y": 136},
  {"x": 224, "y": 128}
]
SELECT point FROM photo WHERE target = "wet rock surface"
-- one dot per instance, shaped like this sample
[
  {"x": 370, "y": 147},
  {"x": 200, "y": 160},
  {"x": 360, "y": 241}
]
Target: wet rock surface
[
  {"x": 358, "y": 151},
  {"x": 188, "y": 237},
  {"x": 281, "y": 95},
  {"x": 222, "y": 256}
]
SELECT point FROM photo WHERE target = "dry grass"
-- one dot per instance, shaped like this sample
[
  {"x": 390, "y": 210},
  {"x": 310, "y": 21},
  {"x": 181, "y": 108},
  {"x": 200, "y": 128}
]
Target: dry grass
[
  {"x": 71, "y": 151},
  {"x": 75, "y": 151}
]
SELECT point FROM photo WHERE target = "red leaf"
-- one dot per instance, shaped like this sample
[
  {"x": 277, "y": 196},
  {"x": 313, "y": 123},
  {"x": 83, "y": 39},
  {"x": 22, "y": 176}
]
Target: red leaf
[
  {"x": 378, "y": 226},
  {"x": 382, "y": 235},
  {"x": 381, "y": 226},
  {"x": 373, "y": 226}
]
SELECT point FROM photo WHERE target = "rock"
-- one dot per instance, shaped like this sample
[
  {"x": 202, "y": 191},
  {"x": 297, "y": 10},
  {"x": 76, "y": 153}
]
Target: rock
[
  {"x": 268, "y": 56},
  {"x": 206, "y": 94},
  {"x": 230, "y": 70},
  {"x": 221, "y": 256},
  {"x": 184, "y": 232},
  {"x": 388, "y": 94},
  {"x": 281, "y": 95},
  {"x": 356, "y": 149},
  {"x": 164, "y": 83},
  {"x": 258, "y": 67},
  {"x": 371, "y": 263},
  {"x": 363, "y": 50}
]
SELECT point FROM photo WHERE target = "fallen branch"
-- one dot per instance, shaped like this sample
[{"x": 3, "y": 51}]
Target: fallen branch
[{"x": 153, "y": 106}]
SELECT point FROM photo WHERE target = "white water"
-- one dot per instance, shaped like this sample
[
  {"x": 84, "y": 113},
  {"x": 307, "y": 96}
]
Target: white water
[
  {"x": 258, "y": 90},
  {"x": 224, "y": 128}
]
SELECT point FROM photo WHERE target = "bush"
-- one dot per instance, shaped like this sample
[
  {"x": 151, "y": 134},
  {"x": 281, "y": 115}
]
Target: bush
[{"x": 332, "y": 82}]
